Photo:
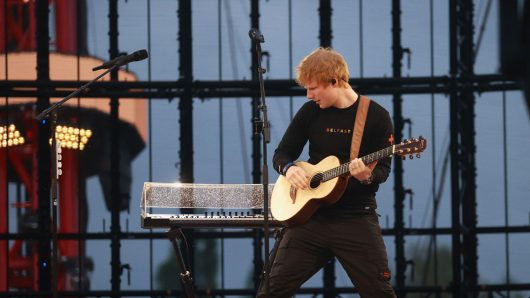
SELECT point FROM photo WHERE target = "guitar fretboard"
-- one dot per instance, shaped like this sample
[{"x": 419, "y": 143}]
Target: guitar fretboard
[{"x": 367, "y": 159}]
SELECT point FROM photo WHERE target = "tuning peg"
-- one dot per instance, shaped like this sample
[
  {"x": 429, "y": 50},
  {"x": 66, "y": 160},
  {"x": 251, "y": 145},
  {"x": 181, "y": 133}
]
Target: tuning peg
[
  {"x": 418, "y": 155},
  {"x": 411, "y": 157},
  {"x": 403, "y": 157}
]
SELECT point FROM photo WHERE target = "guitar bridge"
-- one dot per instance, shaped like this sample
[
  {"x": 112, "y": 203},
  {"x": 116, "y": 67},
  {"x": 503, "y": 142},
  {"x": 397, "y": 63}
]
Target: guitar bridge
[{"x": 292, "y": 194}]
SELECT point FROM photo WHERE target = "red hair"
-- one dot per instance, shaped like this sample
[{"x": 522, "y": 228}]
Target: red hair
[{"x": 321, "y": 66}]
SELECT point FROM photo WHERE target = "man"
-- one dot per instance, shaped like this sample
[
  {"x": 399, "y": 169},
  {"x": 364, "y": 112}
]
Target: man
[{"x": 349, "y": 229}]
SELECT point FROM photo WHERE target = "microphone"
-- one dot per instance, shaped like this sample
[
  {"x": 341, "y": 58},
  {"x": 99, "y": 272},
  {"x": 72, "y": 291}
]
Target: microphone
[
  {"x": 123, "y": 59},
  {"x": 255, "y": 35}
]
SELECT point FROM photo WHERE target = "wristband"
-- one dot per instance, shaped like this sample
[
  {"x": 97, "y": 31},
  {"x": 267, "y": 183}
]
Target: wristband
[
  {"x": 367, "y": 181},
  {"x": 286, "y": 167}
]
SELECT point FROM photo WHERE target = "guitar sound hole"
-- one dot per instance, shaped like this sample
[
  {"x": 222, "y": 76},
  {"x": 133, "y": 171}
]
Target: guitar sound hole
[{"x": 315, "y": 181}]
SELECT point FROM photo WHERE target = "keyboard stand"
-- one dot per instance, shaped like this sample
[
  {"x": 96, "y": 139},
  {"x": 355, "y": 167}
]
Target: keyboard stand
[{"x": 187, "y": 281}]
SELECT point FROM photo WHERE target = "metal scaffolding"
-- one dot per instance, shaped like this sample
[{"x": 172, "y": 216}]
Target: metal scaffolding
[{"x": 460, "y": 85}]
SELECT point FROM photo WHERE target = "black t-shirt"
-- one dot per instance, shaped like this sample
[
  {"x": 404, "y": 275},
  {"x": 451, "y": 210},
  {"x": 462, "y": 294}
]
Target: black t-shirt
[{"x": 329, "y": 132}]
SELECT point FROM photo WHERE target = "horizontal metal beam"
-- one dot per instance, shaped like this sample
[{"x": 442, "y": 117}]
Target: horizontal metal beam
[
  {"x": 242, "y": 233},
  {"x": 490, "y": 288},
  {"x": 246, "y": 88}
]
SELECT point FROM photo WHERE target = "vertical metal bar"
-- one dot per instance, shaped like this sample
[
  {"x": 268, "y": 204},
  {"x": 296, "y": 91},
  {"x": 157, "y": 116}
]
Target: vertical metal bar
[
  {"x": 399, "y": 224},
  {"x": 4, "y": 192},
  {"x": 455, "y": 167},
  {"x": 256, "y": 136},
  {"x": 325, "y": 36},
  {"x": 114, "y": 156},
  {"x": 43, "y": 150},
  {"x": 81, "y": 204},
  {"x": 82, "y": 37},
  {"x": 4, "y": 212},
  {"x": 186, "y": 101},
  {"x": 463, "y": 168},
  {"x": 468, "y": 147},
  {"x": 256, "y": 143},
  {"x": 3, "y": 31}
]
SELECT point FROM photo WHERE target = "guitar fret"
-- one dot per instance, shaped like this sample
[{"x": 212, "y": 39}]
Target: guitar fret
[
  {"x": 329, "y": 174},
  {"x": 367, "y": 159}
]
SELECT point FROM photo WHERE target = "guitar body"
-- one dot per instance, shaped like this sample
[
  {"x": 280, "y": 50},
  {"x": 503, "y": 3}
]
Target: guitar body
[
  {"x": 293, "y": 207},
  {"x": 328, "y": 180}
]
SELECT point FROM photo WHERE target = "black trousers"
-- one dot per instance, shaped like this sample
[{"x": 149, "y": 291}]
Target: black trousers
[{"x": 356, "y": 242}]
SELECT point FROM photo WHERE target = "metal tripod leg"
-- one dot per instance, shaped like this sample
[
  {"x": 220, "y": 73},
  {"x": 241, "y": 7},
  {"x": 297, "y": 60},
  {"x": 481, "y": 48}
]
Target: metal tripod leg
[
  {"x": 187, "y": 281},
  {"x": 278, "y": 235}
]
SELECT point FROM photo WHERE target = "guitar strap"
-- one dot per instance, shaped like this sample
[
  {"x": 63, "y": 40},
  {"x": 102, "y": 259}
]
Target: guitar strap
[{"x": 358, "y": 127}]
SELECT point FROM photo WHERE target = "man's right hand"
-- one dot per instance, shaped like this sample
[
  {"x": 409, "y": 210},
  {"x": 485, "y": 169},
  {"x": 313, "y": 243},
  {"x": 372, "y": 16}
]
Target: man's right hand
[{"x": 297, "y": 177}]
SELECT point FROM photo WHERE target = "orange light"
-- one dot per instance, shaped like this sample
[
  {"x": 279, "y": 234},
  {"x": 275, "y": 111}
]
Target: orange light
[
  {"x": 72, "y": 137},
  {"x": 10, "y": 136}
]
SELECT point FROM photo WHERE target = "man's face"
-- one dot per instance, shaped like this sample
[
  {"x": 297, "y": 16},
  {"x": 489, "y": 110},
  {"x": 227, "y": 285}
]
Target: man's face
[{"x": 323, "y": 96}]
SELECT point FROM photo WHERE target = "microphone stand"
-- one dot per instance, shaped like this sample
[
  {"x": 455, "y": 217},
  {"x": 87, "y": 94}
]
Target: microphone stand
[
  {"x": 263, "y": 126},
  {"x": 51, "y": 112}
]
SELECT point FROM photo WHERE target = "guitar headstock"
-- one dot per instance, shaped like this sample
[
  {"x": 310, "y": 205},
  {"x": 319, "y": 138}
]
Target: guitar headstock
[{"x": 411, "y": 147}]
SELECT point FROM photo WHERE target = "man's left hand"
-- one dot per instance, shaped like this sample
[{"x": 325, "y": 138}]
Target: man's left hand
[{"x": 359, "y": 170}]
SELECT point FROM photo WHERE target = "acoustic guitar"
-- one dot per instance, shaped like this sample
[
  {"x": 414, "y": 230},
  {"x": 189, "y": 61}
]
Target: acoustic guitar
[{"x": 328, "y": 181}]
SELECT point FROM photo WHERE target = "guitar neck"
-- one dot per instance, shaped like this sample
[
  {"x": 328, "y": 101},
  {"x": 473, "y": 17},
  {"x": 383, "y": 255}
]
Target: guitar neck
[{"x": 367, "y": 159}]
